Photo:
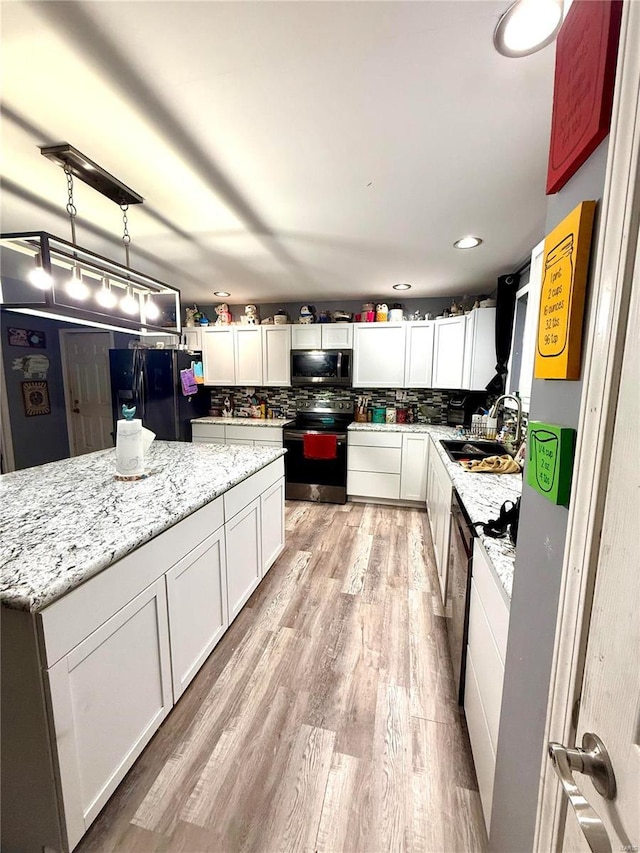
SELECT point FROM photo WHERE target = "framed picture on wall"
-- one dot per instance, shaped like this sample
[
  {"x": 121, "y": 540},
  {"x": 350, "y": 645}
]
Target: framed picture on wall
[
  {"x": 26, "y": 338},
  {"x": 35, "y": 397}
]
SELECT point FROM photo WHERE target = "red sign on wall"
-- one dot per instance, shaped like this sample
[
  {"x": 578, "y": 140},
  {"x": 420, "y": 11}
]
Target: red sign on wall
[{"x": 586, "y": 53}]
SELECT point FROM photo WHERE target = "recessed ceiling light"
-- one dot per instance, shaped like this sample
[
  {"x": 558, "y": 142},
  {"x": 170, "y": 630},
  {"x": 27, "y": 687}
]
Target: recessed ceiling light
[
  {"x": 467, "y": 242},
  {"x": 527, "y": 26},
  {"x": 221, "y": 293},
  {"x": 402, "y": 287}
]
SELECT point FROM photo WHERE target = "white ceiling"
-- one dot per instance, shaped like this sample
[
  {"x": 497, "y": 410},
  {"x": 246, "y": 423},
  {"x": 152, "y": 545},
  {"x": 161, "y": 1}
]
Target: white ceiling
[{"x": 285, "y": 150}]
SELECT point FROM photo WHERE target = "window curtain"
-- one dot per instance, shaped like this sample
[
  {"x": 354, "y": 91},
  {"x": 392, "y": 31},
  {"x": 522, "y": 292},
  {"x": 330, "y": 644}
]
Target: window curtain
[{"x": 505, "y": 311}]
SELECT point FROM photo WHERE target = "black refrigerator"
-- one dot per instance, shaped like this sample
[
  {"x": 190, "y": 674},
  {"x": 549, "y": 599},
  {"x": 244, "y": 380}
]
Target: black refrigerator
[{"x": 149, "y": 379}]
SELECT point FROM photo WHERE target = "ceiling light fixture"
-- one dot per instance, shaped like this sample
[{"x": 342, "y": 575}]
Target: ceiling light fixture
[
  {"x": 221, "y": 293},
  {"x": 402, "y": 287},
  {"x": 64, "y": 275},
  {"x": 468, "y": 242},
  {"x": 527, "y": 26}
]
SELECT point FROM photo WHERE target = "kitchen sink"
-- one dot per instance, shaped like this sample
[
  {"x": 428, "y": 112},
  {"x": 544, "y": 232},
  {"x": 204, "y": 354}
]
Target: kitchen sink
[{"x": 473, "y": 449}]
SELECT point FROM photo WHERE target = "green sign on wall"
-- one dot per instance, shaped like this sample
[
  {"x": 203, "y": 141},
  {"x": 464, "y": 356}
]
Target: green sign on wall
[{"x": 550, "y": 460}]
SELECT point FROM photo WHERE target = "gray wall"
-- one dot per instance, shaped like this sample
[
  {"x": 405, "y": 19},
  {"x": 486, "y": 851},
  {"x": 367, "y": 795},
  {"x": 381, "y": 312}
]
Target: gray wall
[
  {"x": 536, "y": 588},
  {"x": 41, "y": 438}
]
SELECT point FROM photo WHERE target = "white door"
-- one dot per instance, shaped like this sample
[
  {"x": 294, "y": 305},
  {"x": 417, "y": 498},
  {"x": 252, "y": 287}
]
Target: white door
[
  {"x": 218, "y": 356},
  {"x": 610, "y": 696},
  {"x": 276, "y": 355},
  {"x": 108, "y": 697},
  {"x": 378, "y": 355},
  {"x": 337, "y": 336},
  {"x": 448, "y": 357},
  {"x": 272, "y": 524},
  {"x": 413, "y": 476},
  {"x": 419, "y": 355},
  {"x": 306, "y": 336},
  {"x": 197, "y": 599},
  {"x": 88, "y": 390},
  {"x": 248, "y": 352},
  {"x": 244, "y": 556}
]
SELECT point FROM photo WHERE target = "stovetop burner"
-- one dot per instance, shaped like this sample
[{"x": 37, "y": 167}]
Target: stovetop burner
[{"x": 324, "y": 415}]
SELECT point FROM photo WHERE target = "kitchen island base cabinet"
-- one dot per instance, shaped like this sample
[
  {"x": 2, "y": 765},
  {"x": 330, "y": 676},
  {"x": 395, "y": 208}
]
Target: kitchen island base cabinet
[
  {"x": 198, "y": 615},
  {"x": 272, "y": 524},
  {"x": 439, "y": 492},
  {"x": 244, "y": 556},
  {"x": 117, "y": 682}
]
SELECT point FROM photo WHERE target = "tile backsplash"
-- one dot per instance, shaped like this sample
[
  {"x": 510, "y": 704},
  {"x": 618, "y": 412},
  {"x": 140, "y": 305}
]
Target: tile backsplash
[{"x": 285, "y": 401}]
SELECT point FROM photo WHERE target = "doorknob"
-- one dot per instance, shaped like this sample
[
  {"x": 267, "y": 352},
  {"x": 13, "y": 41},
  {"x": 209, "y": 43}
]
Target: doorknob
[
  {"x": 592, "y": 760},
  {"x": 76, "y": 411}
]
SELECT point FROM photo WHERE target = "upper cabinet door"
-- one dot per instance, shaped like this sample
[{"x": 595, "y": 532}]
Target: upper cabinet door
[
  {"x": 248, "y": 352},
  {"x": 193, "y": 337},
  {"x": 337, "y": 336},
  {"x": 480, "y": 349},
  {"x": 306, "y": 336},
  {"x": 276, "y": 355},
  {"x": 218, "y": 355},
  {"x": 378, "y": 355},
  {"x": 448, "y": 362},
  {"x": 419, "y": 355}
]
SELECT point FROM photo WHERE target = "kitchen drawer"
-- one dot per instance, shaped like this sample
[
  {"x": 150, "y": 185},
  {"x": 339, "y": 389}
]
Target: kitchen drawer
[
  {"x": 240, "y": 496},
  {"x": 261, "y": 443},
  {"x": 375, "y": 439},
  {"x": 489, "y": 668},
  {"x": 384, "y": 460},
  {"x": 207, "y": 432},
  {"x": 484, "y": 756},
  {"x": 491, "y": 596},
  {"x": 373, "y": 485},
  {"x": 71, "y": 619},
  {"x": 251, "y": 432}
]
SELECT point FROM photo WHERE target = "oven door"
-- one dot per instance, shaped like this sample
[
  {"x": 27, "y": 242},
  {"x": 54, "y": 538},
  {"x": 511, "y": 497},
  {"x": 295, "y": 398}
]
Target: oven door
[
  {"x": 314, "y": 479},
  {"x": 458, "y": 591},
  {"x": 320, "y": 367}
]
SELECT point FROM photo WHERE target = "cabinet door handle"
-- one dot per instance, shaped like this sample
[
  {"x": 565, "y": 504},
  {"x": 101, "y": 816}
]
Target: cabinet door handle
[{"x": 592, "y": 760}]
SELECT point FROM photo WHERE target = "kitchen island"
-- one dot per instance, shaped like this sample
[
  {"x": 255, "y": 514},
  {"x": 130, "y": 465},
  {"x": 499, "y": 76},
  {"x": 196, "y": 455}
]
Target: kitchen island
[{"x": 114, "y": 594}]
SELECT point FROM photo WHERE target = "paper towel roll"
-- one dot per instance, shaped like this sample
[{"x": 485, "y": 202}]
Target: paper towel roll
[{"x": 129, "y": 448}]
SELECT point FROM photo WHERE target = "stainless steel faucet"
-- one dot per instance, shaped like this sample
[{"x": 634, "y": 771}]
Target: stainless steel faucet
[{"x": 494, "y": 414}]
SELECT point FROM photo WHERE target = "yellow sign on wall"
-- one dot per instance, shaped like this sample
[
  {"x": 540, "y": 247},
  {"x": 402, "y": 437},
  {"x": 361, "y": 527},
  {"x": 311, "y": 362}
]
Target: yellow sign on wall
[{"x": 566, "y": 263}]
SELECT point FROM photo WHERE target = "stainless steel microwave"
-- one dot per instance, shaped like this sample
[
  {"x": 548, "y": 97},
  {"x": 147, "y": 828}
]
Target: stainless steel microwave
[{"x": 321, "y": 366}]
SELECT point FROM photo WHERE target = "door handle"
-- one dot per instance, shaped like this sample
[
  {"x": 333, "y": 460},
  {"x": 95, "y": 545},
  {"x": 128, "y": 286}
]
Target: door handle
[
  {"x": 592, "y": 760},
  {"x": 76, "y": 411}
]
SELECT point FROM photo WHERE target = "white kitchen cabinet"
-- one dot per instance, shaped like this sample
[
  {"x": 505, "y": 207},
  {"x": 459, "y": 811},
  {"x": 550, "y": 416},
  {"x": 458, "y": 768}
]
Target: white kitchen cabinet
[
  {"x": 378, "y": 355},
  {"x": 193, "y": 337},
  {"x": 248, "y": 442},
  {"x": 244, "y": 556},
  {"x": 276, "y": 355},
  {"x": 448, "y": 352},
  {"x": 218, "y": 355},
  {"x": 439, "y": 492},
  {"x": 250, "y": 436},
  {"x": 197, "y": 600},
  {"x": 248, "y": 355},
  {"x": 413, "y": 475},
  {"x": 418, "y": 372},
  {"x": 525, "y": 330},
  {"x": 479, "y": 349},
  {"x": 337, "y": 335},
  {"x": 108, "y": 697},
  {"x": 272, "y": 524},
  {"x": 306, "y": 336},
  {"x": 208, "y": 433},
  {"x": 486, "y": 651}
]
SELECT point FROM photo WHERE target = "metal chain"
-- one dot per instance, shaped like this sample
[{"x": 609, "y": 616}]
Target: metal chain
[
  {"x": 71, "y": 208},
  {"x": 126, "y": 237}
]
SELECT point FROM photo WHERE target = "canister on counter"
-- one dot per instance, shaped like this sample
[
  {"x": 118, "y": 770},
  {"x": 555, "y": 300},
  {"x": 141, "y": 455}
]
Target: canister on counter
[
  {"x": 378, "y": 415},
  {"x": 391, "y": 415},
  {"x": 401, "y": 416}
]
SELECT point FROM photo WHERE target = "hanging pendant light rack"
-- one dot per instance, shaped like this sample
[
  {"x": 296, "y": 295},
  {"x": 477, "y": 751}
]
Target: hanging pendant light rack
[{"x": 47, "y": 276}]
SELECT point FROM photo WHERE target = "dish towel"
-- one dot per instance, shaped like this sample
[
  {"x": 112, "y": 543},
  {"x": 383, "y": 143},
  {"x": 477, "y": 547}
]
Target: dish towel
[
  {"x": 319, "y": 446},
  {"x": 493, "y": 465}
]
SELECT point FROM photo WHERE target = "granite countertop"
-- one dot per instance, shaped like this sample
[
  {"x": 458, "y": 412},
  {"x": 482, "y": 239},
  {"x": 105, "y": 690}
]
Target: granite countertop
[
  {"x": 257, "y": 422},
  {"x": 66, "y": 521},
  {"x": 481, "y": 494}
]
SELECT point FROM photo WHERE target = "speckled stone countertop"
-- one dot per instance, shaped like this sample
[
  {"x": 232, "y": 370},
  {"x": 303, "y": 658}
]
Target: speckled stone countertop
[
  {"x": 64, "y": 522},
  {"x": 257, "y": 422},
  {"x": 481, "y": 494}
]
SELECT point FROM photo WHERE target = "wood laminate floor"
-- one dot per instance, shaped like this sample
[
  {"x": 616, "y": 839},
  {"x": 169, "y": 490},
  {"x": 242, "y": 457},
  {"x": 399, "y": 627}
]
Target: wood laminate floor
[{"x": 325, "y": 719}]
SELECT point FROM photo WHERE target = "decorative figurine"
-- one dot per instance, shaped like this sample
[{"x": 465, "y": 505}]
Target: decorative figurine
[
  {"x": 307, "y": 314},
  {"x": 382, "y": 313},
  {"x": 223, "y": 314},
  {"x": 251, "y": 313},
  {"x": 281, "y": 318},
  {"x": 191, "y": 316},
  {"x": 227, "y": 407}
]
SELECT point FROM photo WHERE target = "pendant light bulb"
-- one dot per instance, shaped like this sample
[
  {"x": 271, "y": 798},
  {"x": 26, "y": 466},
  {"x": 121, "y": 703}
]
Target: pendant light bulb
[
  {"x": 39, "y": 277},
  {"x": 76, "y": 288},
  {"x": 129, "y": 304},
  {"x": 105, "y": 296},
  {"x": 151, "y": 310}
]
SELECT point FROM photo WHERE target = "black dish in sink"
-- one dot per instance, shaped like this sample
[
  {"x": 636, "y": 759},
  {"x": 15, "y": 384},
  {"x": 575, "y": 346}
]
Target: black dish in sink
[{"x": 473, "y": 449}]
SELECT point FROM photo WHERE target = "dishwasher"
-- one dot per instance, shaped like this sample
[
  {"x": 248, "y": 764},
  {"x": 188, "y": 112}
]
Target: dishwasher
[{"x": 458, "y": 590}]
